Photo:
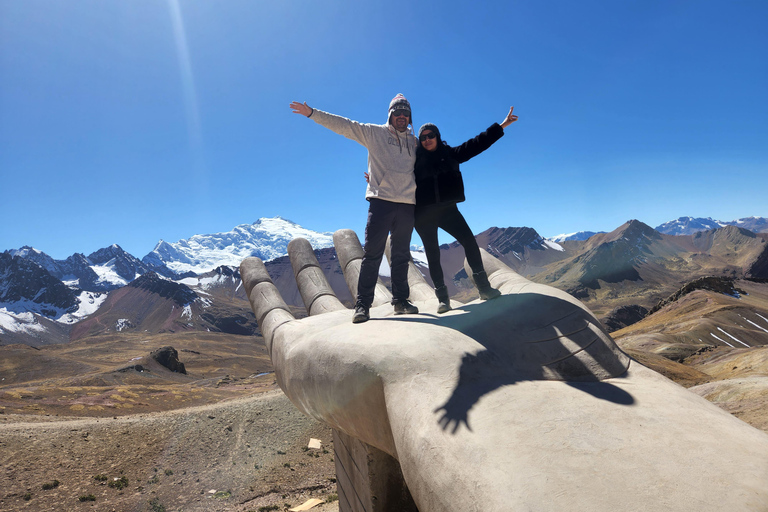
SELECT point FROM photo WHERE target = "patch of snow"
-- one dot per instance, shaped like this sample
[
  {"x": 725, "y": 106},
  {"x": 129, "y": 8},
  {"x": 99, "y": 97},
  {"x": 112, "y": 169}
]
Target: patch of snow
[
  {"x": 553, "y": 245},
  {"x": 207, "y": 283},
  {"x": 22, "y": 322},
  {"x": 419, "y": 256},
  {"x": 122, "y": 323},
  {"x": 562, "y": 237},
  {"x": 753, "y": 323},
  {"x": 720, "y": 339},
  {"x": 578, "y": 235},
  {"x": 88, "y": 303},
  {"x": 187, "y": 312},
  {"x": 732, "y": 337},
  {"x": 107, "y": 274}
]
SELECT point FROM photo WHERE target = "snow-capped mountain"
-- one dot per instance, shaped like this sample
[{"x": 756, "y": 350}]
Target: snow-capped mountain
[
  {"x": 33, "y": 302},
  {"x": 267, "y": 238},
  {"x": 756, "y": 224},
  {"x": 579, "y": 235},
  {"x": 689, "y": 225},
  {"x": 103, "y": 270}
]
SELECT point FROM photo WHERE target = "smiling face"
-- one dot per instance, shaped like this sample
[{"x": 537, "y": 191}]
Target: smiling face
[
  {"x": 428, "y": 139},
  {"x": 400, "y": 119}
]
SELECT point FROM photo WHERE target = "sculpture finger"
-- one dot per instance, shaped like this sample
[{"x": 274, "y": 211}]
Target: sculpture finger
[
  {"x": 317, "y": 294},
  {"x": 350, "y": 254},
  {"x": 267, "y": 303},
  {"x": 419, "y": 288}
]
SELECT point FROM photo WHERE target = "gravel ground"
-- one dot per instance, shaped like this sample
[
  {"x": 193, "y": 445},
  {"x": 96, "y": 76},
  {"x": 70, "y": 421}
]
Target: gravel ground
[{"x": 240, "y": 455}]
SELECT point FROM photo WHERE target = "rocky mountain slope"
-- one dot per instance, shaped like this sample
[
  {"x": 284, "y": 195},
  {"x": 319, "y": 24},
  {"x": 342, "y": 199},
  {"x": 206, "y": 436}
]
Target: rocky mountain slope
[{"x": 711, "y": 334}]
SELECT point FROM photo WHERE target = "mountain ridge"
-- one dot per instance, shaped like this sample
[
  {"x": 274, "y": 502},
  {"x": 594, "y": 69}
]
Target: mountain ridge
[{"x": 634, "y": 255}]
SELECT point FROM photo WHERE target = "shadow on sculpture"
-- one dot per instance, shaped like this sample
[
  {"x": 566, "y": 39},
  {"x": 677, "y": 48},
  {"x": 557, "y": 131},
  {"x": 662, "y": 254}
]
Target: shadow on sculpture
[
  {"x": 522, "y": 353},
  {"x": 560, "y": 419}
]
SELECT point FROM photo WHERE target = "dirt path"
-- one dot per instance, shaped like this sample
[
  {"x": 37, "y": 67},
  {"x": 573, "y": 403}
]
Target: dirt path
[{"x": 251, "y": 452}]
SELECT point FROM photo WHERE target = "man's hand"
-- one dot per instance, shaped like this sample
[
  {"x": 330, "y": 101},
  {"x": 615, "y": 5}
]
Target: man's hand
[{"x": 301, "y": 108}]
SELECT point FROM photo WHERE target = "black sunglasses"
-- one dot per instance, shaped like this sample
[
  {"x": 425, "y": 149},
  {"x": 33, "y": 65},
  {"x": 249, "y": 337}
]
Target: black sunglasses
[
  {"x": 425, "y": 136},
  {"x": 401, "y": 112}
]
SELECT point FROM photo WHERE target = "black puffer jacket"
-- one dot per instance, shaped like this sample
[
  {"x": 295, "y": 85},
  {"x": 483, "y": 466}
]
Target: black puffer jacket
[{"x": 438, "y": 179}]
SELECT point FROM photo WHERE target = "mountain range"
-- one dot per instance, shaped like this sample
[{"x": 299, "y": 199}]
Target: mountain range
[
  {"x": 682, "y": 226},
  {"x": 194, "y": 284}
]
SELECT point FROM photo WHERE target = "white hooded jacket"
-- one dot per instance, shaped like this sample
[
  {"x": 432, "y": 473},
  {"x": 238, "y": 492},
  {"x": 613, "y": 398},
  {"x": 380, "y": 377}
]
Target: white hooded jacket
[{"x": 391, "y": 155}]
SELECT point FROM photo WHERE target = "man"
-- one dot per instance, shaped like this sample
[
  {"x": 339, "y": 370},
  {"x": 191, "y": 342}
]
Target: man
[{"x": 391, "y": 194}]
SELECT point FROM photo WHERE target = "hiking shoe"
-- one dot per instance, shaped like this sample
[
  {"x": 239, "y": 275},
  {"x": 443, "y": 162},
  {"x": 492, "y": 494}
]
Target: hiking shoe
[
  {"x": 404, "y": 307},
  {"x": 444, "y": 302},
  {"x": 487, "y": 292},
  {"x": 361, "y": 313}
]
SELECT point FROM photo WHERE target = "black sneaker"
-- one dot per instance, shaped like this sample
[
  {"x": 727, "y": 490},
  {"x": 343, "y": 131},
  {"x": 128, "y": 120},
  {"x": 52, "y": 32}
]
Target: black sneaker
[
  {"x": 404, "y": 307},
  {"x": 361, "y": 313}
]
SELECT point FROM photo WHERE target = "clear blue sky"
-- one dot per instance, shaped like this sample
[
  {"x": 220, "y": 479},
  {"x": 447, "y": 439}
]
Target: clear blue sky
[{"x": 133, "y": 121}]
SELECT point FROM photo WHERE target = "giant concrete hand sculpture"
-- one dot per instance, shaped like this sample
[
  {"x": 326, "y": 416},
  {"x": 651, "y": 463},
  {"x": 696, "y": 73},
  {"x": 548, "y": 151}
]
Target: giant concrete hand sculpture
[{"x": 519, "y": 403}]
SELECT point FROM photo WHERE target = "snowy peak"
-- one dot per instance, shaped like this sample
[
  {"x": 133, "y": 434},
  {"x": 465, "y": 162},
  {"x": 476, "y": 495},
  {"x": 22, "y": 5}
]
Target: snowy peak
[
  {"x": 26, "y": 286},
  {"x": 688, "y": 225},
  {"x": 38, "y": 257},
  {"x": 754, "y": 224},
  {"x": 579, "y": 236},
  {"x": 103, "y": 270},
  {"x": 691, "y": 225},
  {"x": 115, "y": 266},
  {"x": 267, "y": 238}
]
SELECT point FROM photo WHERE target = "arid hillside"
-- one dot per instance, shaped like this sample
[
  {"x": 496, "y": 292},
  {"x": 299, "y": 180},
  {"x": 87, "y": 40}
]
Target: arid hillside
[{"x": 715, "y": 342}]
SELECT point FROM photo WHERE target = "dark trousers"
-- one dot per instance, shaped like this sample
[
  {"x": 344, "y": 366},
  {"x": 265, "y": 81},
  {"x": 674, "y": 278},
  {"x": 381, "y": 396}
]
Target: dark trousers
[
  {"x": 447, "y": 217},
  {"x": 384, "y": 218}
]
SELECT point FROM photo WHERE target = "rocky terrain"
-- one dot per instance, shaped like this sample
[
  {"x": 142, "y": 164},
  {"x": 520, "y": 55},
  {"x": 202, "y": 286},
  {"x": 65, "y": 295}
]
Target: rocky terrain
[{"x": 104, "y": 421}]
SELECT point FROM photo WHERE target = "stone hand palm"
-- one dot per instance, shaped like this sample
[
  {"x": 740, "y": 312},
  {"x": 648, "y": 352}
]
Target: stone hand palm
[{"x": 493, "y": 405}]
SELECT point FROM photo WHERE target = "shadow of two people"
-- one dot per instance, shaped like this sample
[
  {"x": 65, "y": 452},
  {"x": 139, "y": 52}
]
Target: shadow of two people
[{"x": 528, "y": 336}]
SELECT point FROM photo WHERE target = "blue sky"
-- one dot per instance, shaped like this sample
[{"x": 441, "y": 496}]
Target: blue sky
[{"x": 133, "y": 121}]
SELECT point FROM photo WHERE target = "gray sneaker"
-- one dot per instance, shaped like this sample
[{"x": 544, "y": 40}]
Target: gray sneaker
[
  {"x": 361, "y": 313},
  {"x": 443, "y": 299},
  {"x": 404, "y": 307}
]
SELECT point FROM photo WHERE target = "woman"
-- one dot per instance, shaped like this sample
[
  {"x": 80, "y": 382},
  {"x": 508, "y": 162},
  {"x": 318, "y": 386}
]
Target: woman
[{"x": 439, "y": 187}]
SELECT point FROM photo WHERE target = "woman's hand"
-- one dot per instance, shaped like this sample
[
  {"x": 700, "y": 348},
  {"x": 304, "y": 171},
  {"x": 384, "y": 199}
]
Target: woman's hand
[
  {"x": 303, "y": 108},
  {"x": 511, "y": 118}
]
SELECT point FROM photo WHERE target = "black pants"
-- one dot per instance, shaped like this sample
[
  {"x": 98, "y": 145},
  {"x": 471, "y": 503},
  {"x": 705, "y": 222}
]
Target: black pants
[
  {"x": 385, "y": 217},
  {"x": 447, "y": 217}
]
